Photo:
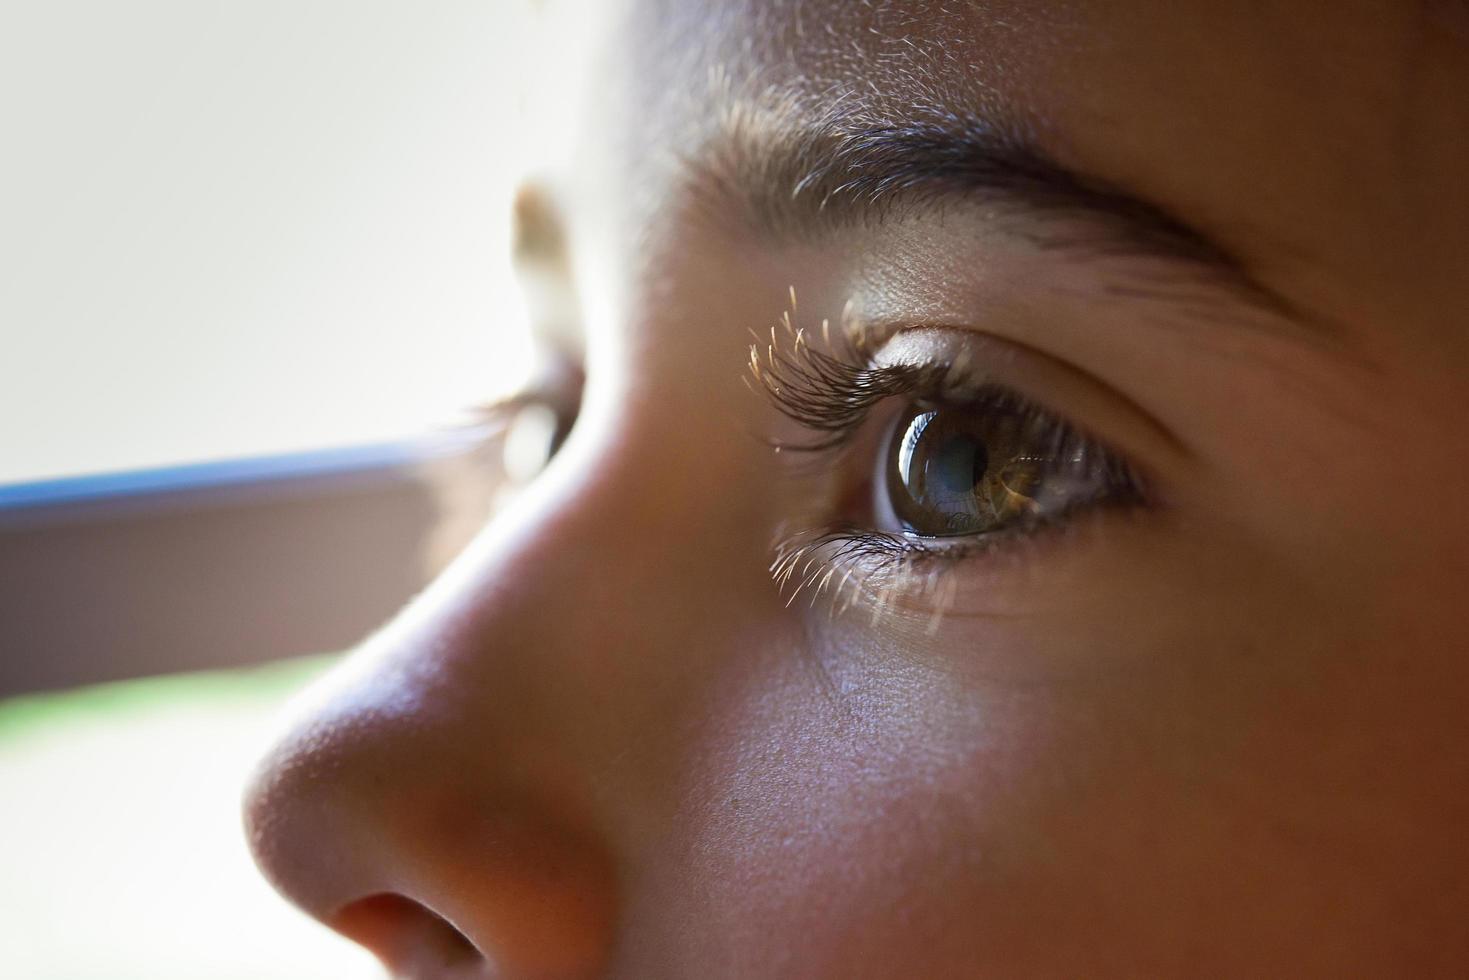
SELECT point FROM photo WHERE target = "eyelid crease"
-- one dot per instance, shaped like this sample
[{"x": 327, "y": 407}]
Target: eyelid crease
[
  {"x": 1036, "y": 373},
  {"x": 830, "y": 390}
]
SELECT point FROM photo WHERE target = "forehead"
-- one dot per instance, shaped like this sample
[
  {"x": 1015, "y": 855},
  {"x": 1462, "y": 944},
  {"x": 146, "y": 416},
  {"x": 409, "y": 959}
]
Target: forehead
[
  {"x": 1060, "y": 64},
  {"x": 1262, "y": 124}
]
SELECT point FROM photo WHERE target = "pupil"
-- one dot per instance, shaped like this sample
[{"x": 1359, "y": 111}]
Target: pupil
[{"x": 958, "y": 466}]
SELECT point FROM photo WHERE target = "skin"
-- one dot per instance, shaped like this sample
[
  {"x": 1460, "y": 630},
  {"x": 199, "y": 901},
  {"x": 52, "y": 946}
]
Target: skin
[{"x": 1220, "y": 734}]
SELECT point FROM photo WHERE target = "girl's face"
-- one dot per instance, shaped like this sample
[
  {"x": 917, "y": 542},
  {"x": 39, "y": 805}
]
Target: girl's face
[{"x": 1119, "y": 542}]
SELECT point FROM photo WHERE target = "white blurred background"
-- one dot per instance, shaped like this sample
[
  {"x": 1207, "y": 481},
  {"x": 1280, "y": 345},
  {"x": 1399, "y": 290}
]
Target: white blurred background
[
  {"x": 227, "y": 229},
  {"x": 240, "y": 228}
]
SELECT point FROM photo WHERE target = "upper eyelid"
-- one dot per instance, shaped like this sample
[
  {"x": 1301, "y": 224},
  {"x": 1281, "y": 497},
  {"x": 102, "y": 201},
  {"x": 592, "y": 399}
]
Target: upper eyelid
[
  {"x": 1061, "y": 386},
  {"x": 800, "y": 378}
]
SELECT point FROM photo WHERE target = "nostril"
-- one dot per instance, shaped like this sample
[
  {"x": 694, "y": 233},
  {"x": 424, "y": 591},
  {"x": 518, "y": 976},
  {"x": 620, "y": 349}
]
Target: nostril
[{"x": 411, "y": 941}]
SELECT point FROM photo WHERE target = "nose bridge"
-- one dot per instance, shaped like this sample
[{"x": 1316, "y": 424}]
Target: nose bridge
[
  {"x": 463, "y": 758},
  {"x": 577, "y": 616}
]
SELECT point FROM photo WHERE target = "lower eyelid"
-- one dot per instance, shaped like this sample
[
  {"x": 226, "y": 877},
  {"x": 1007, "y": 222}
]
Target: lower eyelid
[{"x": 1007, "y": 573}]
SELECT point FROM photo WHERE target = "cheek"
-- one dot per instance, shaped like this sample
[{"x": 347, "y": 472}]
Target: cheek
[
  {"x": 846, "y": 822},
  {"x": 1017, "y": 797}
]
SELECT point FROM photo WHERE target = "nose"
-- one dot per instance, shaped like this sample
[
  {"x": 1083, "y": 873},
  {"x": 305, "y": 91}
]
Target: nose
[
  {"x": 418, "y": 808},
  {"x": 463, "y": 794},
  {"x": 429, "y": 838}
]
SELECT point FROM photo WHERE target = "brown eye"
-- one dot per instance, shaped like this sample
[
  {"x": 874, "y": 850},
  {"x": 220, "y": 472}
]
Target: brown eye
[{"x": 975, "y": 469}]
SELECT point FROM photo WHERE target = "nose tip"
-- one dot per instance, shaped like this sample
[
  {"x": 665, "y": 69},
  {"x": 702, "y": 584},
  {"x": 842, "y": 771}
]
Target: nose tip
[{"x": 363, "y": 827}]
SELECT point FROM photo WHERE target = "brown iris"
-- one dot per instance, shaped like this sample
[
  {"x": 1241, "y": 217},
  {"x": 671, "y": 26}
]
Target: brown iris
[{"x": 955, "y": 471}]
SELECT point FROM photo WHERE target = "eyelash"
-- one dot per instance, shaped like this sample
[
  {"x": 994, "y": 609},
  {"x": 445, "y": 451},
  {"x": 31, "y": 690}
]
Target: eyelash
[{"x": 831, "y": 394}]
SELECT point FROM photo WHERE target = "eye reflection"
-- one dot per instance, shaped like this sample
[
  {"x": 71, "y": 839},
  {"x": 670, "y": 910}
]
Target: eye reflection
[{"x": 974, "y": 469}]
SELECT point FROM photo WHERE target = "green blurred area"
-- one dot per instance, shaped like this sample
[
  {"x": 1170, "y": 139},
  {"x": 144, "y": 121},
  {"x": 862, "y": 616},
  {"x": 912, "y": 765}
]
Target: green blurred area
[
  {"x": 120, "y": 840},
  {"x": 36, "y": 713}
]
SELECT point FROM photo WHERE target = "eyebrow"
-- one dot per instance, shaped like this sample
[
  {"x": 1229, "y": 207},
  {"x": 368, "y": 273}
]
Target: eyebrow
[{"x": 790, "y": 180}]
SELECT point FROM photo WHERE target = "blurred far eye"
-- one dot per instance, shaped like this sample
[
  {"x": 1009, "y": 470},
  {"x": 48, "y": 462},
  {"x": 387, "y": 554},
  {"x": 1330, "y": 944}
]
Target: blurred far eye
[
  {"x": 532, "y": 436},
  {"x": 534, "y": 424},
  {"x": 976, "y": 469}
]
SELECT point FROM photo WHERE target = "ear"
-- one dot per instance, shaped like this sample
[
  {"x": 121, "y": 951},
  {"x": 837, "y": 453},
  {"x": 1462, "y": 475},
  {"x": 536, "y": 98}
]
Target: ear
[{"x": 542, "y": 261}]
